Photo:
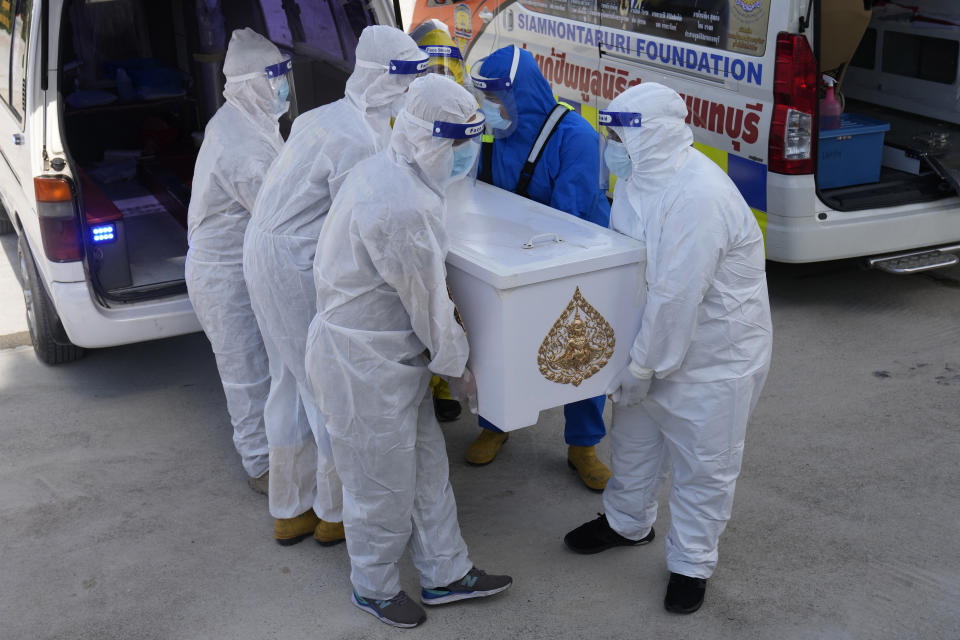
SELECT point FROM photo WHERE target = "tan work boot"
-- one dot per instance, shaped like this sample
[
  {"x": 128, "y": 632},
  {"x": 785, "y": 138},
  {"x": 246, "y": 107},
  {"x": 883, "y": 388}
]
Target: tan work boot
[
  {"x": 260, "y": 485},
  {"x": 328, "y": 534},
  {"x": 484, "y": 449},
  {"x": 288, "y": 531},
  {"x": 585, "y": 462}
]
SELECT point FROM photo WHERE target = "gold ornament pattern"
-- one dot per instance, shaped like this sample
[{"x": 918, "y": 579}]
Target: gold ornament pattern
[
  {"x": 456, "y": 311},
  {"x": 578, "y": 345}
]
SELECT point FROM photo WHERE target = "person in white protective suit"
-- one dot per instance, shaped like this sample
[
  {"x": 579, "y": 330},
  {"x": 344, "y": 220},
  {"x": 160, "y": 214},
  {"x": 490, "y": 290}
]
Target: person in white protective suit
[
  {"x": 280, "y": 243},
  {"x": 240, "y": 142},
  {"x": 699, "y": 362},
  {"x": 384, "y": 323}
]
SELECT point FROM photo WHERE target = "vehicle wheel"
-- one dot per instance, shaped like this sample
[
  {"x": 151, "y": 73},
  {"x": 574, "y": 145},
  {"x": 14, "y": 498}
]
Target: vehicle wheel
[
  {"x": 46, "y": 331},
  {"x": 6, "y": 226}
]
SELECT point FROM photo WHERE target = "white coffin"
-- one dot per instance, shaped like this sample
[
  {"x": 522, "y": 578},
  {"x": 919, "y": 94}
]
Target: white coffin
[{"x": 514, "y": 268}]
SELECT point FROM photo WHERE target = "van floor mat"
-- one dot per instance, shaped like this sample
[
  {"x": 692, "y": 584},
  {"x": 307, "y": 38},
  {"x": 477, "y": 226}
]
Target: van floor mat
[{"x": 895, "y": 188}]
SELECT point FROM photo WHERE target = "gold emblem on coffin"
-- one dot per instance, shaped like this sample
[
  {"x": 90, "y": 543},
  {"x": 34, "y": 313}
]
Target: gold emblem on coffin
[{"x": 579, "y": 344}]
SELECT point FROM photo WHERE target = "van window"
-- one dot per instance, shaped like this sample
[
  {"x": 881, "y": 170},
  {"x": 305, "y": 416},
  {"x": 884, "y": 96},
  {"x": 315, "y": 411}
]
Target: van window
[
  {"x": 316, "y": 28},
  {"x": 18, "y": 57},
  {"x": 921, "y": 57},
  {"x": 733, "y": 25},
  {"x": 6, "y": 26}
]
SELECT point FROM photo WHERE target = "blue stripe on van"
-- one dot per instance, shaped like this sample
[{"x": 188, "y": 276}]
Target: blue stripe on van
[{"x": 751, "y": 178}]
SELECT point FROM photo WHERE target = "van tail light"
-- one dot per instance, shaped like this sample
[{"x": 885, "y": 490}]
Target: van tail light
[
  {"x": 793, "y": 130},
  {"x": 59, "y": 224}
]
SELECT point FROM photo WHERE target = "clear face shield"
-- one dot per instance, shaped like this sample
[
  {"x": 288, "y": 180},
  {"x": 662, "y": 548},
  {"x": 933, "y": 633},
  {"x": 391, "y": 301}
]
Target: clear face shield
[
  {"x": 613, "y": 151},
  {"x": 280, "y": 78},
  {"x": 497, "y": 100},
  {"x": 466, "y": 144}
]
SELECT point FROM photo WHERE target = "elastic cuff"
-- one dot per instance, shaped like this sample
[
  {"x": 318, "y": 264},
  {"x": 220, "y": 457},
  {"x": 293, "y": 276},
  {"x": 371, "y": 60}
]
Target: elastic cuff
[{"x": 640, "y": 372}]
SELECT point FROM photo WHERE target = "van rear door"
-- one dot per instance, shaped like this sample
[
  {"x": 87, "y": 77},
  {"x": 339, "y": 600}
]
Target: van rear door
[{"x": 16, "y": 38}]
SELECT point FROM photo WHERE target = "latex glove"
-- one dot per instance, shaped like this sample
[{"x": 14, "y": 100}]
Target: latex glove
[
  {"x": 627, "y": 389},
  {"x": 464, "y": 389}
]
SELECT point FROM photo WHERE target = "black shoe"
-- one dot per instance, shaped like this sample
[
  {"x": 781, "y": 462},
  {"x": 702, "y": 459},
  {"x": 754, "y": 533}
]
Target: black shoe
[
  {"x": 596, "y": 536},
  {"x": 445, "y": 409},
  {"x": 684, "y": 594}
]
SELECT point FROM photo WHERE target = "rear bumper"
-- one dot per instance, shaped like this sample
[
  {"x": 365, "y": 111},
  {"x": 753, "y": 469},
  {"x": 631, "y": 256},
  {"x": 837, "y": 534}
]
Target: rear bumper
[
  {"x": 851, "y": 234},
  {"x": 90, "y": 325}
]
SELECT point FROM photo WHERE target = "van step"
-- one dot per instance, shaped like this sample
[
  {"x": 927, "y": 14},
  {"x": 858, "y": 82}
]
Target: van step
[{"x": 914, "y": 262}]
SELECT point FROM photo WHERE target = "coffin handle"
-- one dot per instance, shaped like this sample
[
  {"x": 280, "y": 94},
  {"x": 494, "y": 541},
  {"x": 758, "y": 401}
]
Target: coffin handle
[{"x": 541, "y": 237}]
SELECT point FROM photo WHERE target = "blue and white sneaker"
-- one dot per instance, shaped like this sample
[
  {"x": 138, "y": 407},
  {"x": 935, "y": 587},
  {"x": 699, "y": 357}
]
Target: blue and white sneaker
[
  {"x": 476, "y": 584},
  {"x": 399, "y": 611}
]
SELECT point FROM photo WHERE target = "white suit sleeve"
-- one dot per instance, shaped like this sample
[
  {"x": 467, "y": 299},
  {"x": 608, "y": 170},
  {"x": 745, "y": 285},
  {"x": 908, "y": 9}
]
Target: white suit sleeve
[
  {"x": 409, "y": 253},
  {"x": 691, "y": 244}
]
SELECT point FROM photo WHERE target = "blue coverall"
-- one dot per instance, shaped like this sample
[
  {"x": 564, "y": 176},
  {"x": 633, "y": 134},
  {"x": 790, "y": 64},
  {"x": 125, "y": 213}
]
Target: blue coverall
[{"x": 565, "y": 178}]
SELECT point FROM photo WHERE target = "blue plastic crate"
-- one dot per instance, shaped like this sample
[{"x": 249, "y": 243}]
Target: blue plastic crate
[{"x": 851, "y": 154}]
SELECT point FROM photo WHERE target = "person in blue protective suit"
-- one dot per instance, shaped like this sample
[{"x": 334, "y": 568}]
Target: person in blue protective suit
[{"x": 544, "y": 151}]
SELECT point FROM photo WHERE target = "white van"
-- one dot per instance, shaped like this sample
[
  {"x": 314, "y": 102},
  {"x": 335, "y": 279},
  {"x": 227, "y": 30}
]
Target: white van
[
  {"x": 749, "y": 72},
  {"x": 102, "y": 108}
]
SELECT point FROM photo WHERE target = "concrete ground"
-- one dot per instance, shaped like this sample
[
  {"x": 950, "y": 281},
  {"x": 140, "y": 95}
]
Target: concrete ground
[{"x": 124, "y": 512}]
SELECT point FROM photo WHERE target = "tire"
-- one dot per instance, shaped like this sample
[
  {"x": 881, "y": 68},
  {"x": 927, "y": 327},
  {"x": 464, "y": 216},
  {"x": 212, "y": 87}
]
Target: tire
[
  {"x": 6, "y": 226},
  {"x": 49, "y": 339}
]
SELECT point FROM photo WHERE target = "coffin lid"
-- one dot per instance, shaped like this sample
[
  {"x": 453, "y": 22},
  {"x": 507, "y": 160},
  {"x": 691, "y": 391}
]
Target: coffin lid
[{"x": 489, "y": 229}]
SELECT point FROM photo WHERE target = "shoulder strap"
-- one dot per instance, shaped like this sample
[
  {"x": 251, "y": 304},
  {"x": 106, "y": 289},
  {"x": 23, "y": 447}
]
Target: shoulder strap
[
  {"x": 486, "y": 160},
  {"x": 546, "y": 131}
]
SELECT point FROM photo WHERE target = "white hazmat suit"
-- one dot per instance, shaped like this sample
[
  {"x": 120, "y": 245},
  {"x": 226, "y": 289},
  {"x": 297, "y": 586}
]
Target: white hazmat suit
[
  {"x": 281, "y": 240},
  {"x": 705, "y": 335},
  {"x": 240, "y": 142},
  {"x": 382, "y": 305}
]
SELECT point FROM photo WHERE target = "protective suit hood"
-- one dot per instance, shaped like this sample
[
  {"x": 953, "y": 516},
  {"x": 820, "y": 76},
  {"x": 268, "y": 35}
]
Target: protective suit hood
[
  {"x": 431, "y": 98},
  {"x": 532, "y": 92},
  {"x": 371, "y": 88},
  {"x": 658, "y": 146},
  {"x": 247, "y": 53}
]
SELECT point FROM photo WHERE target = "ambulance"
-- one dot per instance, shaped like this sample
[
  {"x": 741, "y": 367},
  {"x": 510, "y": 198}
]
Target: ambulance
[
  {"x": 103, "y": 105},
  {"x": 882, "y": 186}
]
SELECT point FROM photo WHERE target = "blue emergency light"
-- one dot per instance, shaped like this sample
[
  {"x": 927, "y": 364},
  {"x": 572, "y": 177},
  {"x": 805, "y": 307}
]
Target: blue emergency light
[{"x": 103, "y": 233}]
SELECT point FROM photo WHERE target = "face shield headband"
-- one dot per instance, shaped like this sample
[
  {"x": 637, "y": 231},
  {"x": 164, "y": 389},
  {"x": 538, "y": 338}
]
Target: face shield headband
[
  {"x": 273, "y": 71},
  {"x": 441, "y": 51},
  {"x": 619, "y": 118},
  {"x": 279, "y": 69},
  {"x": 399, "y": 67},
  {"x": 457, "y": 130}
]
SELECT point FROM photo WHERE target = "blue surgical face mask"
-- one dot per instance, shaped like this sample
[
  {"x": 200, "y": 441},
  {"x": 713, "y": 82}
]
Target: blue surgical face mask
[
  {"x": 464, "y": 156},
  {"x": 283, "y": 91},
  {"x": 491, "y": 111},
  {"x": 619, "y": 163}
]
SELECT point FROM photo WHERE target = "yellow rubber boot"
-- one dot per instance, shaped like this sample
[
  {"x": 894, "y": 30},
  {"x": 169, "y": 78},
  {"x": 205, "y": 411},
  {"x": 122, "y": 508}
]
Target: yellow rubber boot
[
  {"x": 328, "y": 534},
  {"x": 288, "y": 531},
  {"x": 485, "y": 448},
  {"x": 588, "y": 466}
]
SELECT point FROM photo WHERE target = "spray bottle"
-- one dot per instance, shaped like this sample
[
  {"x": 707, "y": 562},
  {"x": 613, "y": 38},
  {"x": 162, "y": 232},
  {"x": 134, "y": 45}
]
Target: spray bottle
[{"x": 830, "y": 109}]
